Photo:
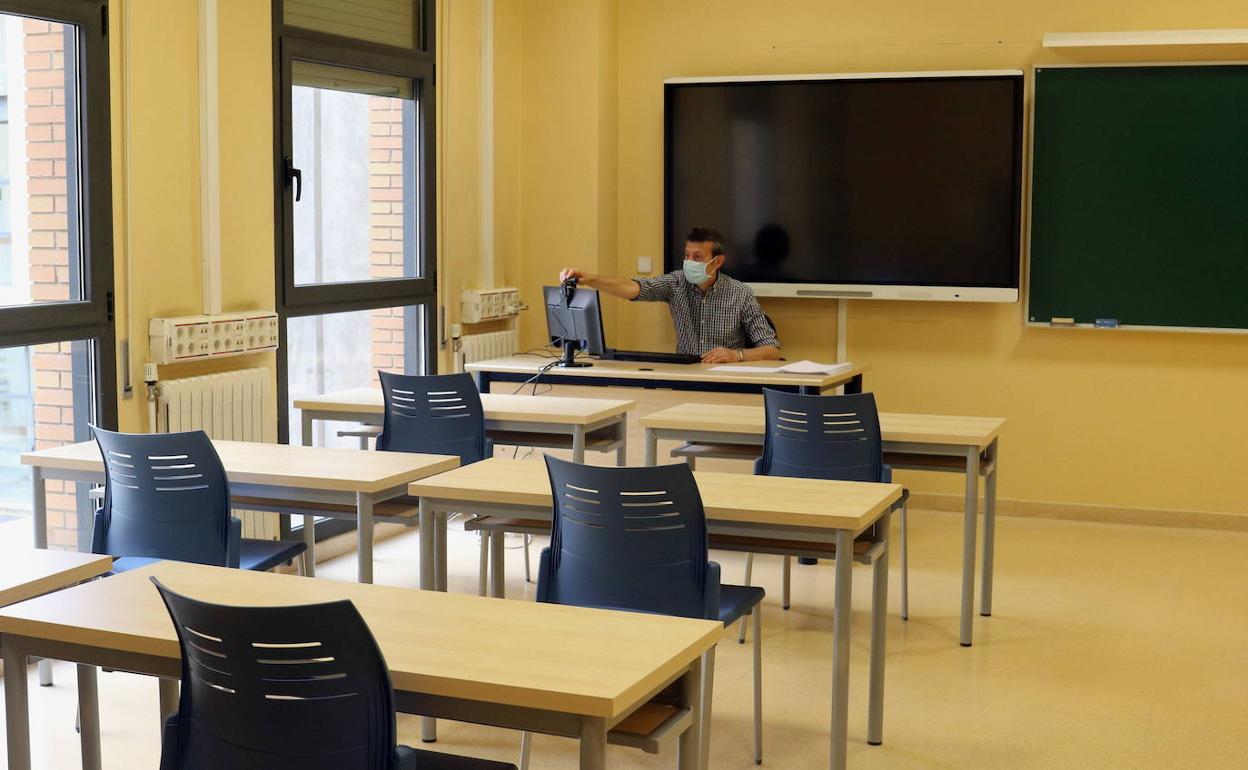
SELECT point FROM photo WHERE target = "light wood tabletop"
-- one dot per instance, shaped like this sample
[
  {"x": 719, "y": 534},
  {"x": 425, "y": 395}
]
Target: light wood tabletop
[
  {"x": 728, "y": 497},
  {"x": 30, "y": 572},
  {"x": 555, "y": 410},
  {"x": 657, "y": 371},
  {"x": 315, "y": 468},
  {"x": 571, "y": 660},
  {"x": 899, "y": 427}
]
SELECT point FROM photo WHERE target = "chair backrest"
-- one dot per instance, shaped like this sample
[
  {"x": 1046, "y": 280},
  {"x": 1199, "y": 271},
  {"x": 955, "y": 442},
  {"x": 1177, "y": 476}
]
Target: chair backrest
[
  {"x": 435, "y": 414},
  {"x": 165, "y": 496},
  {"x": 822, "y": 437},
  {"x": 630, "y": 539},
  {"x": 283, "y": 688}
]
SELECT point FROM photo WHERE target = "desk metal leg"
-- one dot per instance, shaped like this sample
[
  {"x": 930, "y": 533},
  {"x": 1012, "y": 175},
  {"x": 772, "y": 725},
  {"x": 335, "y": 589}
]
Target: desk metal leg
[
  {"x": 578, "y": 443},
  {"x": 990, "y": 533},
  {"x": 89, "y": 717},
  {"x": 305, "y": 425},
  {"x": 854, "y": 385},
  {"x": 840, "y": 649},
  {"x": 309, "y": 540},
  {"x": 168, "y": 698},
  {"x": 16, "y": 706},
  {"x": 498, "y": 583},
  {"x": 879, "y": 616},
  {"x": 708, "y": 692},
  {"x": 621, "y": 452},
  {"x": 593, "y": 743},
  {"x": 364, "y": 528},
  {"x": 689, "y": 748},
  {"x": 439, "y": 551},
  {"x": 39, "y": 527},
  {"x": 652, "y": 446},
  {"x": 425, "y": 532},
  {"x": 968, "y": 545}
]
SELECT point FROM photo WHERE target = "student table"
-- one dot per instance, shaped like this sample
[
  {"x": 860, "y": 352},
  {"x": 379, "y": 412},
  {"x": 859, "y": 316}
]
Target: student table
[
  {"x": 566, "y": 671},
  {"x": 289, "y": 479},
  {"x": 598, "y": 423},
  {"x": 803, "y": 510},
  {"x": 29, "y": 572},
  {"x": 634, "y": 374},
  {"x": 929, "y": 442}
]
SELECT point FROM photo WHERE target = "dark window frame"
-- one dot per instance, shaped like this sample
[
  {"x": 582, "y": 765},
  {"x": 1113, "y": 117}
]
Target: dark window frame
[
  {"x": 89, "y": 319},
  {"x": 420, "y": 247}
]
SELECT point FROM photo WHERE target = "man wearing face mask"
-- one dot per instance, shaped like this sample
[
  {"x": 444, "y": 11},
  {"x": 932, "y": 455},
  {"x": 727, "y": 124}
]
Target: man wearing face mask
[{"x": 716, "y": 316}]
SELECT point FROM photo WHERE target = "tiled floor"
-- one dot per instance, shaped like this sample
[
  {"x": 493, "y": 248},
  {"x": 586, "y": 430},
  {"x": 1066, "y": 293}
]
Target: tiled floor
[{"x": 1110, "y": 647}]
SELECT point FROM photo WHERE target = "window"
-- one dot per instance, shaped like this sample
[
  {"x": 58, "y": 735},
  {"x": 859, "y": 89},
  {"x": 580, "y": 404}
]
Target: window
[
  {"x": 354, "y": 147},
  {"x": 57, "y": 374}
]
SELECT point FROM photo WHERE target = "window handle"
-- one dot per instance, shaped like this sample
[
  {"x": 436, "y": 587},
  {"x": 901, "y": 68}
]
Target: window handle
[{"x": 294, "y": 175}]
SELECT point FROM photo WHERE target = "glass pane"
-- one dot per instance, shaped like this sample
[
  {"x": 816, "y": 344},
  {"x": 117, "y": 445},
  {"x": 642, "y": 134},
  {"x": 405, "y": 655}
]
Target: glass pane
[
  {"x": 324, "y": 354},
  {"x": 40, "y": 255},
  {"x": 354, "y": 142},
  {"x": 390, "y": 22},
  {"x": 45, "y": 401}
]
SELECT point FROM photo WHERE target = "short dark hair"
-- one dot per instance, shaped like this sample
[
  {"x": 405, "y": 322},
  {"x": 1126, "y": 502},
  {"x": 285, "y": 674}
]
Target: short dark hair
[{"x": 704, "y": 234}]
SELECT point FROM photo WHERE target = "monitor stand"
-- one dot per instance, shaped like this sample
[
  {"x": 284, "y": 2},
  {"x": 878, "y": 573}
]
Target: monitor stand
[{"x": 569, "y": 355}]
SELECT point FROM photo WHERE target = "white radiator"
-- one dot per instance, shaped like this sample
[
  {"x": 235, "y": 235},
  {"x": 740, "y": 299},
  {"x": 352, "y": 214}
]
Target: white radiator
[
  {"x": 231, "y": 407},
  {"x": 482, "y": 347}
]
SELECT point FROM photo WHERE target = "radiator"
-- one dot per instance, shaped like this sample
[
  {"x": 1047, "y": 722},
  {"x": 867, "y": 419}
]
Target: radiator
[
  {"x": 229, "y": 406},
  {"x": 482, "y": 347}
]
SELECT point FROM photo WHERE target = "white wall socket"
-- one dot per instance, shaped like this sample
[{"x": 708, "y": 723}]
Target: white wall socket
[{"x": 644, "y": 265}]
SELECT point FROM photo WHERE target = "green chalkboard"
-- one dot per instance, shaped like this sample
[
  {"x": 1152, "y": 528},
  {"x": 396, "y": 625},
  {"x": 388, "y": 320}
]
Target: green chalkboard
[{"x": 1139, "y": 208}]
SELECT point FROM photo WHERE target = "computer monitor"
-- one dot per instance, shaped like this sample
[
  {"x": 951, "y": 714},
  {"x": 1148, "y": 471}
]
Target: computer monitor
[{"x": 574, "y": 322}]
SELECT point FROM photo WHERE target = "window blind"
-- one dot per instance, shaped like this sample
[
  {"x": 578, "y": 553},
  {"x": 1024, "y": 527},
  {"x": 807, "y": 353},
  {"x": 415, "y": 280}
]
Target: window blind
[{"x": 389, "y": 22}]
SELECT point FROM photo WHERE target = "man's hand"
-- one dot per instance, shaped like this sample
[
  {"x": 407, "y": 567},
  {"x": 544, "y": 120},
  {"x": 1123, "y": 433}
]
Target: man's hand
[
  {"x": 721, "y": 356},
  {"x": 574, "y": 272}
]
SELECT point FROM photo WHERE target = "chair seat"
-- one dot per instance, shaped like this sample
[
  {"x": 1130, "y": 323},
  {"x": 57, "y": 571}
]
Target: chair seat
[
  {"x": 507, "y": 524},
  {"x": 735, "y": 602},
  {"x": 264, "y": 555},
  {"x": 433, "y": 760}
]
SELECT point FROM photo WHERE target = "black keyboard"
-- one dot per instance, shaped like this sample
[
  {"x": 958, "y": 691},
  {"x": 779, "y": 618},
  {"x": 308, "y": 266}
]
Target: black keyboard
[{"x": 650, "y": 357}]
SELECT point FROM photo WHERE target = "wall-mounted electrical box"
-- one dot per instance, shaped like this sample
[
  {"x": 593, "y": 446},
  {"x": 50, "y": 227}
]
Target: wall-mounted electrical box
[
  {"x": 477, "y": 305},
  {"x": 197, "y": 337}
]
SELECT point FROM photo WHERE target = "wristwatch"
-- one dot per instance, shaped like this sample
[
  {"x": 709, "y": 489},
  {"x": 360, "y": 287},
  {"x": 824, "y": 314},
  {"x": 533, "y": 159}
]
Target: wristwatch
[{"x": 740, "y": 355}]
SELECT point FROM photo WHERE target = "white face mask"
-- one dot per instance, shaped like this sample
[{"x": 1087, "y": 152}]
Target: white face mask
[{"x": 695, "y": 272}]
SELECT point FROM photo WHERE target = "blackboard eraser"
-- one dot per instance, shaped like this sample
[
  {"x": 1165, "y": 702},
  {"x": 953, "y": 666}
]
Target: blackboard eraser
[
  {"x": 1107, "y": 323},
  {"x": 1055, "y": 321}
]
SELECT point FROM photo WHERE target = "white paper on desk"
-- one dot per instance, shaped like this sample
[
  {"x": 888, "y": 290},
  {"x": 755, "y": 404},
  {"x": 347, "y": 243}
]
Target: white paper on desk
[
  {"x": 812, "y": 367},
  {"x": 739, "y": 369}
]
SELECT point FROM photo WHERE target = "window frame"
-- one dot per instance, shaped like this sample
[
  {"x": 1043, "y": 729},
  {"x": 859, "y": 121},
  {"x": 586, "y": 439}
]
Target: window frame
[
  {"x": 90, "y": 319},
  {"x": 294, "y": 300}
]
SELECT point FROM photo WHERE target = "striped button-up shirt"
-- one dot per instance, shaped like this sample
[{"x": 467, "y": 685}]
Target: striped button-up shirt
[{"x": 726, "y": 316}]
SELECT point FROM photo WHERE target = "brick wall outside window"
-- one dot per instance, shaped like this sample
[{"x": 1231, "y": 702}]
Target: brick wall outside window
[{"x": 385, "y": 169}]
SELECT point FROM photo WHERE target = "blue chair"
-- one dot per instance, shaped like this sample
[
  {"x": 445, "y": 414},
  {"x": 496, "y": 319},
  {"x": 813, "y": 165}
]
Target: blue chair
[
  {"x": 285, "y": 688},
  {"x": 824, "y": 437},
  {"x": 166, "y": 497},
  {"x": 635, "y": 539}
]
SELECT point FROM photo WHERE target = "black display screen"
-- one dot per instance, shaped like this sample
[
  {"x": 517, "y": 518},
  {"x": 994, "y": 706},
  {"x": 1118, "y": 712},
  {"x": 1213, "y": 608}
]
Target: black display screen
[{"x": 902, "y": 181}]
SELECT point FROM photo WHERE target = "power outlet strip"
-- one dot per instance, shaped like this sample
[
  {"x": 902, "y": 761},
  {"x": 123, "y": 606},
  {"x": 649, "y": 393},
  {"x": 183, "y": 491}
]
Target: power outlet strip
[
  {"x": 199, "y": 337},
  {"x": 477, "y": 305}
]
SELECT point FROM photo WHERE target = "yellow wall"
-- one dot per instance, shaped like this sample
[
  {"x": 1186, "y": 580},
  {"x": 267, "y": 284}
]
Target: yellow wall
[{"x": 1144, "y": 420}]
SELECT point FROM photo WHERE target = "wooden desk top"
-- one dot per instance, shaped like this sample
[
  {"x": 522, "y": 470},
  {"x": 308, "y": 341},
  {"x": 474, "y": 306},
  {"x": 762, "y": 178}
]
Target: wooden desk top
[
  {"x": 568, "y": 659},
  {"x": 728, "y": 497},
  {"x": 281, "y": 465},
  {"x": 30, "y": 572},
  {"x": 635, "y": 370},
  {"x": 750, "y": 420},
  {"x": 560, "y": 410}
]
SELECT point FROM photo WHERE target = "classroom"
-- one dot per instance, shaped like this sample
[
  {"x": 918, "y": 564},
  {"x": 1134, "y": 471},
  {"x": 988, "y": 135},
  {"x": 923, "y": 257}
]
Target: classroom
[{"x": 553, "y": 384}]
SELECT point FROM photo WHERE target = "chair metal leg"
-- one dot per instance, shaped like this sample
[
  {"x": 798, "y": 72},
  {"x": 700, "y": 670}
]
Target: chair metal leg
[
  {"x": 528, "y": 575},
  {"x": 526, "y": 747},
  {"x": 483, "y": 573},
  {"x": 749, "y": 574},
  {"x": 758, "y": 683},
  {"x": 788, "y": 574},
  {"x": 905, "y": 566}
]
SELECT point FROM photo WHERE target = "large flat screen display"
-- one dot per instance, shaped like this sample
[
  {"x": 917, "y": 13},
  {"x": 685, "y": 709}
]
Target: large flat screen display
[{"x": 889, "y": 186}]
